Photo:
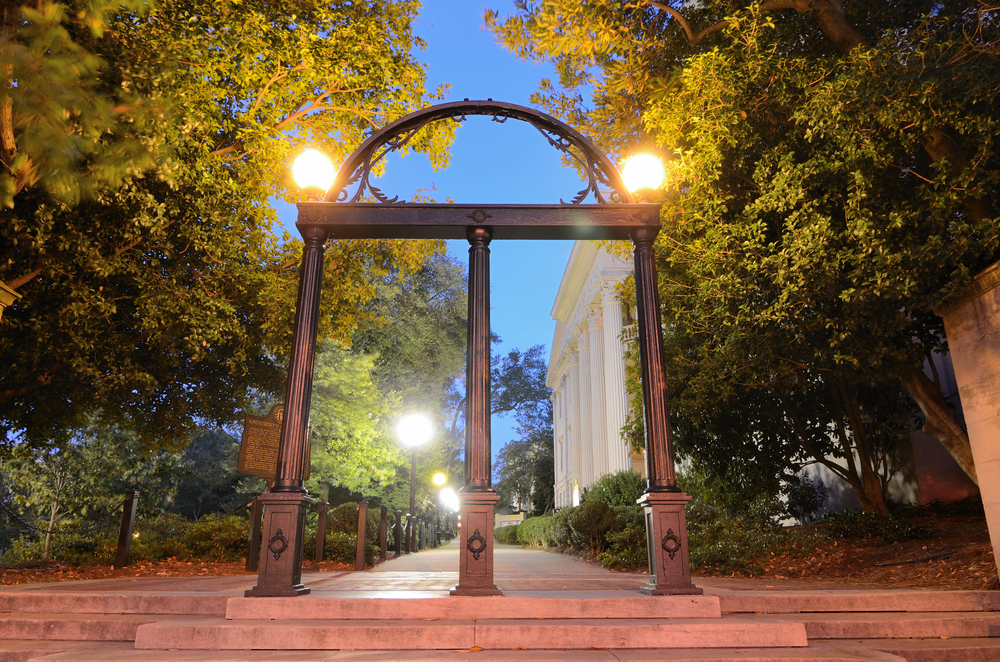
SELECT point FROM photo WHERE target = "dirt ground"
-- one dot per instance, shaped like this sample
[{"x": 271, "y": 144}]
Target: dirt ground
[
  {"x": 961, "y": 543},
  {"x": 955, "y": 555}
]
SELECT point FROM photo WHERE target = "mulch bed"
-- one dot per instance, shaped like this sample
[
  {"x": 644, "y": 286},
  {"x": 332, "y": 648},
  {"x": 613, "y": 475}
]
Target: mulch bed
[{"x": 36, "y": 572}]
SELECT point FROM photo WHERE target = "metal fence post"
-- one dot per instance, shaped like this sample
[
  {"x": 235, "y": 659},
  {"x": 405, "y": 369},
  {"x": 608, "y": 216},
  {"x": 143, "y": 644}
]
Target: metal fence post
[
  {"x": 410, "y": 539},
  {"x": 321, "y": 508},
  {"x": 397, "y": 533},
  {"x": 420, "y": 535},
  {"x": 383, "y": 533},
  {"x": 253, "y": 537},
  {"x": 359, "y": 562},
  {"x": 125, "y": 532}
]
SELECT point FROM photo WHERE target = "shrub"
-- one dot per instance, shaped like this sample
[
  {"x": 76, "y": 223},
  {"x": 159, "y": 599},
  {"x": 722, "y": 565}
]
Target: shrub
[
  {"x": 590, "y": 523},
  {"x": 618, "y": 490},
  {"x": 859, "y": 524},
  {"x": 506, "y": 535},
  {"x": 561, "y": 533},
  {"x": 536, "y": 532},
  {"x": 626, "y": 546}
]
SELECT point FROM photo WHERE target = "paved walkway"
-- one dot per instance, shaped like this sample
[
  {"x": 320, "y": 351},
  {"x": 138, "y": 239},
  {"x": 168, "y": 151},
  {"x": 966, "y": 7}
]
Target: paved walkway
[{"x": 433, "y": 572}]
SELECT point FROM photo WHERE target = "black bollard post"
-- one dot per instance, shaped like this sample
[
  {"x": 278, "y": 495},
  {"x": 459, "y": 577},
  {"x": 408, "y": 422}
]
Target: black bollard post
[
  {"x": 253, "y": 537},
  {"x": 397, "y": 533},
  {"x": 321, "y": 507},
  {"x": 125, "y": 532},
  {"x": 359, "y": 561},
  {"x": 383, "y": 533}
]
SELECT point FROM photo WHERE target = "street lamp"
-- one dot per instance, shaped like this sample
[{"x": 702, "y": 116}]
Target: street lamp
[
  {"x": 314, "y": 173},
  {"x": 414, "y": 431},
  {"x": 643, "y": 172}
]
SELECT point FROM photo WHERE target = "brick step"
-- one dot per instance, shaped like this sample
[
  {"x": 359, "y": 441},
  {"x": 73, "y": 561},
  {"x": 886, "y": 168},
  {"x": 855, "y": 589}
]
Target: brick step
[
  {"x": 841, "y": 601},
  {"x": 112, "y": 603},
  {"x": 474, "y": 608},
  {"x": 818, "y": 653},
  {"x": 890, "y": 625},
  {"x": 535, "y": 634},
  {"x": 76, "y": 627}
]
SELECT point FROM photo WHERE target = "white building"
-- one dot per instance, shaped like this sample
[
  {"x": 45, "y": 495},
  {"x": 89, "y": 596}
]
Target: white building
[{"x": 587, "y": 373}]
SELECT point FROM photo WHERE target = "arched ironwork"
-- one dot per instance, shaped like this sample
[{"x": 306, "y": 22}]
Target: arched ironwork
[{"x": 600, "y": 173}]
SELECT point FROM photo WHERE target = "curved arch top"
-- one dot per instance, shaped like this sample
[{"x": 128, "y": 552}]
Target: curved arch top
[{"x": 598, "y": 168}]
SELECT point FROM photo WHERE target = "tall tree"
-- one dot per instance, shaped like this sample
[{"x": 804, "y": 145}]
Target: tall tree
[
  {"x": 833, "y": 178},
  {"x": 141, "y": 146},
  {"x": 524, "y": 471}
]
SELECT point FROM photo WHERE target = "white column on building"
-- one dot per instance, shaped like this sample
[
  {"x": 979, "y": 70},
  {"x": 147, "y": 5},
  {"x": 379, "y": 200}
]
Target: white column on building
[
  {"x": 573, "y": 436},
  {"x": 615, "y": 397},
  {"x": 586, "y": 476},
  {"x": 557, "y": 441},
  {"x": 598, "y": 424}
]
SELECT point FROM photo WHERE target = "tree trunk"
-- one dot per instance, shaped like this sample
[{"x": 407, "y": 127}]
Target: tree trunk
[
  {"x": 48, "y": 534},
  {"x": 940, "y": 421}
]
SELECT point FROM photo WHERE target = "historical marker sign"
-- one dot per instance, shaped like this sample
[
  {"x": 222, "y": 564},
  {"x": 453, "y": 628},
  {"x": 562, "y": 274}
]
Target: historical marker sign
[{"x": 259, "y": 446}]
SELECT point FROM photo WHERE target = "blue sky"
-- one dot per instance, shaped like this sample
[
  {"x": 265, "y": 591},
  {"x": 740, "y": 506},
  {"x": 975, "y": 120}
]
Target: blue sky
[{"x": 491, "y": 162}]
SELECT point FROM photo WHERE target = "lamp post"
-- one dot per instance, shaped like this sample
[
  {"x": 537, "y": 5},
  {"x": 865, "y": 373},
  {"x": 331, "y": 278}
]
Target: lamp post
[
  {"x": 414, "y": 431},
  {"x": 663, "y": 503},
  {"x": 439, "y": 480},
  {"x": 286, "y": 502}
]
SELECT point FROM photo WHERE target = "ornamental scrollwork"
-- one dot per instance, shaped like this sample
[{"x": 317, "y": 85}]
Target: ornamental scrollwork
[
  {"x": 476, "y": 544},
  {"x": 277, "y": 544}
]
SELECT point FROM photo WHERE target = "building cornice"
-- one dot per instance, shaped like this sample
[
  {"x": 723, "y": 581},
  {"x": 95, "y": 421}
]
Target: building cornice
[{"x": 985, "y": 281}]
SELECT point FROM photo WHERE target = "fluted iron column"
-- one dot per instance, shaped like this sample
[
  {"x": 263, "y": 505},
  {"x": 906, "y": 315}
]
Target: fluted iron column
[
  {"x": 475, "y": 572},
  {"x": 663, "y": 502},
  {"x": 286, "y": 503}
]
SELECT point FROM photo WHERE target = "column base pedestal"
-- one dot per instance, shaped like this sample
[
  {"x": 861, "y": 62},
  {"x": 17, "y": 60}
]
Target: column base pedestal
[
  {"x": 280, "y": 573},
  {"x": 667, "y": 544},
  {"x": 475, "y": 569}
]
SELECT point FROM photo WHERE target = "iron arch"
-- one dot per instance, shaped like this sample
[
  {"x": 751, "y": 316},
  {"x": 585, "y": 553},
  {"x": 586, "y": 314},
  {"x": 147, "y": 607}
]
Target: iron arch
[{"x": 596, "y": 166}]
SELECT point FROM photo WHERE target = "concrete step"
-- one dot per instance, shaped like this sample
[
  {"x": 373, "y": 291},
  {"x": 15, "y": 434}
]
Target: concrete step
[
  {"x": 23, "y": 650},
  {"x": 771, "y": 602},
  {"x": 220, "y": 634},
  {"x": 112, "y": 603},
  {"x": 938, "y": 649},
  {"x": 889, "y": 625},
  {"x": 475, "y": 608},
  {"x": 75, "y": 627},
  {"x": 819, "y": 653}
]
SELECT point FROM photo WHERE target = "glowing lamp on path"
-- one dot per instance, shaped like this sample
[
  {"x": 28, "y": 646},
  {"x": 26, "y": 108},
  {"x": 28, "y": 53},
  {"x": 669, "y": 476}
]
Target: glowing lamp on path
[
  {"x": 439, "y": 478},
  {"x": 314, "y": 173},
  {"x": 414, "y": 430},
  {"x": 643, "y": 172}
]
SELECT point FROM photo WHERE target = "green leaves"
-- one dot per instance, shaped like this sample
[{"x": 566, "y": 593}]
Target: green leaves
[{"x": 147, "y": 142}]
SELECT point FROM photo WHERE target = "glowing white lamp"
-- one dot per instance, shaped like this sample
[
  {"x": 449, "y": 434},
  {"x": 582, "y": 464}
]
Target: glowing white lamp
[
  {"x": 643, "y": 171},
  {"x": 414, "y": 430},
  {"x": 449, "y": 499},
  {"x": 439, "y": 479},
  {"x": 313, "y": 170}
]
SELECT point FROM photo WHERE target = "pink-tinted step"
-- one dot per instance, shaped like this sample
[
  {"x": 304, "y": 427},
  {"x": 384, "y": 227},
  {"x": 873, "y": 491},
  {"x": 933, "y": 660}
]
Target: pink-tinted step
[{"x": 472, "y": 608}]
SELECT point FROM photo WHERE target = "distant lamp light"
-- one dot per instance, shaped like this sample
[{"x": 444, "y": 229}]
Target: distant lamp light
[
  {"x": 414, "y": 430},
  {"x": 449, "y": 499},
  {"x": 439, "y": 478},
  {"x": 643, "y": 172},
  {"x": 313, "y": 172}
]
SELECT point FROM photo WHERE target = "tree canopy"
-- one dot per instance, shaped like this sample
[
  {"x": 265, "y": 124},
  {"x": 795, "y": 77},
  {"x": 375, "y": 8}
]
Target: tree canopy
[
  {"x": 833, "y": 177},
  {"x": 141, "y": 145}
]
